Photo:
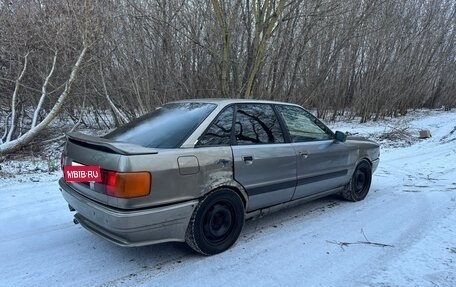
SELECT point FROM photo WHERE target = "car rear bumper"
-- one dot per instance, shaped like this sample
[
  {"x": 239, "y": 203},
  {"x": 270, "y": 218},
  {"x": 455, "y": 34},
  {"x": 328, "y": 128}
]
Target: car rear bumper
[{"x": 130, "y": 227}]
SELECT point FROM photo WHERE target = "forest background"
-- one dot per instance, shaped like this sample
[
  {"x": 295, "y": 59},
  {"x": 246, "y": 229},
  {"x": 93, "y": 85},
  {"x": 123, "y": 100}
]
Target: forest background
[{"x": 102, "y": 63}]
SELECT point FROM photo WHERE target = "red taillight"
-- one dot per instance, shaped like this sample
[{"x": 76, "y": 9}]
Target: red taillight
[
  {"x": 126, "y": 184},
  {"x": 110, "y": 183}
]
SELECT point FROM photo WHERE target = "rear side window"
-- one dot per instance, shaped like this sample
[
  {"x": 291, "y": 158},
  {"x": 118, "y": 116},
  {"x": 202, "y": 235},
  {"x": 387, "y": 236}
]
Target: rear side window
[
  {"x": 257, "y": 124},
  {"x": 166, "y": 127},
  {"x": 219, "y": 132}
]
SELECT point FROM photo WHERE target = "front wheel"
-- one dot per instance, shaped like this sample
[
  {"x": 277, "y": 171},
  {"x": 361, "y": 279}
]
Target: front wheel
[
  {"x": 216, "y": 222},
  {"x": 360, "y": 183}
]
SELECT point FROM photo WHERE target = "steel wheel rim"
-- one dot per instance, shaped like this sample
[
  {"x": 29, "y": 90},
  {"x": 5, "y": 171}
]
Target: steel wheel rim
[
  {"x": 218, "y": 222},
  {"x": 361, "y": 181}
]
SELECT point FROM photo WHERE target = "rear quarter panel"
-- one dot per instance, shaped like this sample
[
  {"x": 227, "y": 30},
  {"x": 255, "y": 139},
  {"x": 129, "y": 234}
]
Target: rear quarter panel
[{"x": 180, "y": 174}]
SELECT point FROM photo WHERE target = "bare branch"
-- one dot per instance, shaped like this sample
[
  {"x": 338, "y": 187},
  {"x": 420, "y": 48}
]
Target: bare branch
[
  {"x": 13, "y": 100},
  {"x": 43, "y": 91},
  {"x": 30, "y": 134},
  {"x": 118, "y": 113},
  {"x": 75, "y": 126},
  {"x": 5, "y": 132},
  {"x": 20, "y": 84},
  {"x": 343, "y": 244}
]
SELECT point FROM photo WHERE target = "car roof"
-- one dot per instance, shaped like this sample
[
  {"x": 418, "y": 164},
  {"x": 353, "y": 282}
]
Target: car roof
[{"x": 227, "y": 101}]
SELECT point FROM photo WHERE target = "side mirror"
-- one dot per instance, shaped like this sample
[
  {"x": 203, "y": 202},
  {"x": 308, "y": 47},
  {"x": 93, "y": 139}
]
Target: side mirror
[{"x": 340, "y": 136}]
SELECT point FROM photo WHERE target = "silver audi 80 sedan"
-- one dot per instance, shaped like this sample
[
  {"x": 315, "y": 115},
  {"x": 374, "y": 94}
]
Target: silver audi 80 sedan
[{"x": 193, "y": 171}]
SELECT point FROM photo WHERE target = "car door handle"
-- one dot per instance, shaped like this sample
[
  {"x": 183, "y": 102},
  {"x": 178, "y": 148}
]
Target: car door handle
[
  {"x": 248, "y": 159},
  {"x": 303, "y": 154}
]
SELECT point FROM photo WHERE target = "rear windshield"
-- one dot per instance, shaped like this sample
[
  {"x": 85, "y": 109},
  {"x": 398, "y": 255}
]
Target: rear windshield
[{"x": 167, "y": 127}]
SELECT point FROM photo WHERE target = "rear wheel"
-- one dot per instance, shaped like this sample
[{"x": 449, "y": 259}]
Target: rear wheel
[
  {"x": 216, "y": 222},
  {"x": 360, "y": 183}
]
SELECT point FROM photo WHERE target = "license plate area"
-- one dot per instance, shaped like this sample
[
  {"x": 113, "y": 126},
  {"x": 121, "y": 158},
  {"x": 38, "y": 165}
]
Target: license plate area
[{"x": 77, "y": 172}]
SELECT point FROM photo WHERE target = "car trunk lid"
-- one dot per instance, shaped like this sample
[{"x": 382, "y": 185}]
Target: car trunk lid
[{"x": 110, "y": 155}]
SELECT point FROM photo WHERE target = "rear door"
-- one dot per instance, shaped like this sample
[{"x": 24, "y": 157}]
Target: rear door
[
  {"x": 263, "y": 163},
  {"x": 322, "y": 163}
]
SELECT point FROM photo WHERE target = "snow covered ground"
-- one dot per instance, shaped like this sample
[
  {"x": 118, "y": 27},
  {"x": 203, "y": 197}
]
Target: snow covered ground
[{"x": 411, "y": 206}]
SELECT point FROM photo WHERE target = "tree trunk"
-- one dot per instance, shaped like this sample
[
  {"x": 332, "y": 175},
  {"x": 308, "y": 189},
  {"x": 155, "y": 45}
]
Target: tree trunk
[{"x": 27, "y": 137}]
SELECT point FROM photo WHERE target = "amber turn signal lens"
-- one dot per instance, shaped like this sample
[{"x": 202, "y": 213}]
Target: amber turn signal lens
[{"x": 128, "y": 184}]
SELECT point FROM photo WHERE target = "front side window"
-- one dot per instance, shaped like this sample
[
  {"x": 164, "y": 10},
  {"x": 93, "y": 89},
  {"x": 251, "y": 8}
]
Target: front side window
[
  {"x": 257, "y": 124},
  {"x": 219, "y": 132},
  {"x": 166, "y": 127},
  {"x": 302, "y": 125}
]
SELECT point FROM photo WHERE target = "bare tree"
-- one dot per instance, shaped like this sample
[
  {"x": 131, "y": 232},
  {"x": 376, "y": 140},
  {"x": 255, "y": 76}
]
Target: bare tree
[{"x": 368, "y": 59}]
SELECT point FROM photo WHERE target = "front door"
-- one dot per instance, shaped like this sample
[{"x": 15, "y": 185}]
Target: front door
[
  {"x": 322, "y": 163},
  {"x": 322, "y": 166}
]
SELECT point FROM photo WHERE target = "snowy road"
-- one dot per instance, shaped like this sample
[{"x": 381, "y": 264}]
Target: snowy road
[{"x": 411, "y": 206}]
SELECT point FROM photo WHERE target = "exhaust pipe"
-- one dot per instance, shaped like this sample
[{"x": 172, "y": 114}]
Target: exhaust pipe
[{"x": 75, "y": 221}]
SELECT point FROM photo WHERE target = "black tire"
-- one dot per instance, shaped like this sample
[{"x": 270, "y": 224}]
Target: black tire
[
  {"x": 360, "y": 182},
  {"x": 216, "y": 222}
]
